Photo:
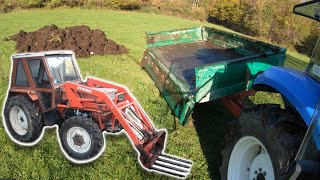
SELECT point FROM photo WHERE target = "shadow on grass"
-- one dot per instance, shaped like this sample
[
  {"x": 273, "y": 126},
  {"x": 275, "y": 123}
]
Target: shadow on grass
[
  {"x": 212, "y": 121},
  {"x": 295, "y": 63}
]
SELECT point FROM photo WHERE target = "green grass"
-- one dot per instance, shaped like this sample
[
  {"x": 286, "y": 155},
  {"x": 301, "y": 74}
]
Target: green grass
[
  {"x": 296, "y": 60},
  {"x": 201, "y": 140}
]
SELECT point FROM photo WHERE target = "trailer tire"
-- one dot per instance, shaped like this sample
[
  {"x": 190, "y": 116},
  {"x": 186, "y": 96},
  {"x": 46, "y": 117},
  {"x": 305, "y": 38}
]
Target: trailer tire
[
  {"x": 263, "y": 142},
  {"x": 22, "y": 120},
  {"x": 81, "y": 138}
]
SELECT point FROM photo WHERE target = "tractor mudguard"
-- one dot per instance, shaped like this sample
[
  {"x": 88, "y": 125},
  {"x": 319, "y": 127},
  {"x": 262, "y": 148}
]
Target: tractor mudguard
[
  {"x": 295, "y": 86},
  {"x": 297, "y": 90},
  {"x": 29, "y": 93}
]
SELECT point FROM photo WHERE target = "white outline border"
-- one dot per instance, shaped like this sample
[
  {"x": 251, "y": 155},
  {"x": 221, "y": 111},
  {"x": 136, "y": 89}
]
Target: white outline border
[{"x": 104, "y": 133}]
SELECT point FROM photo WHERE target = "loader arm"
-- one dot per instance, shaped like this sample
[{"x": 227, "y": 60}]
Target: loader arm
[
  {"x": 93, "y": 82},
  {"x": 103, "y": 98},
  {"x": 101, "y": 102}
]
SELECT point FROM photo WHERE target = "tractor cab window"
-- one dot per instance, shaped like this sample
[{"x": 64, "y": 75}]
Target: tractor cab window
[
  {"x": 39, "y": 73},
  {"x": 21, "y": 77},
  {"x": 311, "y": 9},
  {"x": 62, "y": 69},
  {"x": 313, "y": 68}
]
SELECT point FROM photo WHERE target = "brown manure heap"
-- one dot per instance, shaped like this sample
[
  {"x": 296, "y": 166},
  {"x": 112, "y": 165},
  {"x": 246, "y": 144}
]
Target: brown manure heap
[{"x": 83, "y": 41}]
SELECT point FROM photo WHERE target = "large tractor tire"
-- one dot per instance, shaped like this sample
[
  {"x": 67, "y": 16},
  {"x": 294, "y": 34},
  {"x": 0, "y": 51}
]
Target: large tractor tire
[
  {"x": 262, "y": 144},
  {"x": 81, "y": 138},
  {"x": 22, "y": 120}
]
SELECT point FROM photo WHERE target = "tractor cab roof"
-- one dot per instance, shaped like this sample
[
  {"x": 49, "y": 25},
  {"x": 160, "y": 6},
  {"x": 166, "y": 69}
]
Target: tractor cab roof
[{"x": 41, "y": 54}]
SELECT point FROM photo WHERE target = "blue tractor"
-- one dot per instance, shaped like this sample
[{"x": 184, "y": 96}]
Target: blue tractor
[{"x": 270, "y": 142}]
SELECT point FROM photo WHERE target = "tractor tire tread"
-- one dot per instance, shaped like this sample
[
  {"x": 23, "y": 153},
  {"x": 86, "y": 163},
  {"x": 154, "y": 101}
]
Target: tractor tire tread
[
  {"x": 31, "y": 111},
  {"x": 91, "y": 127},
  {"x": 279, "y": 129}
]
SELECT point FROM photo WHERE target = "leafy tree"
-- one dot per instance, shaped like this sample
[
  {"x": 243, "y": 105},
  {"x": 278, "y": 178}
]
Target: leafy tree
[{"x": 271, "y": 20}]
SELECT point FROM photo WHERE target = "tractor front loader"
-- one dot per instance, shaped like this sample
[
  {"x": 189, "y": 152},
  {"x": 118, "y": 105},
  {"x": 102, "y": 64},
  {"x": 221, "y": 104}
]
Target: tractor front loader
[{"x": 46, "y": 89}]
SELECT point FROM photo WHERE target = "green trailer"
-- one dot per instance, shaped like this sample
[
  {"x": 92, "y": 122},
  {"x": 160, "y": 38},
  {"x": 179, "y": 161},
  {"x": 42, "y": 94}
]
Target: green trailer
[{"x": 202, "y": 64}]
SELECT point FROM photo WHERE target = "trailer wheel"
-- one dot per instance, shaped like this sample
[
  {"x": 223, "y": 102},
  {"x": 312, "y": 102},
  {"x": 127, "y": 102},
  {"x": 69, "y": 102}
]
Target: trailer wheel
[
  {"x": 81, "y": 138},
  {"x": 262, "y": 144},
  {"x": 22, "y": 120}
]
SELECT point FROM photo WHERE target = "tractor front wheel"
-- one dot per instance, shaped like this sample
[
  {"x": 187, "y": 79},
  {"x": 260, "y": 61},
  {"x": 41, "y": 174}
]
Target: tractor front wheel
[
  {"x": 262, "y": 144},
  {"x": 81, "y": 138},
  {"x": 22, "y": 120}
]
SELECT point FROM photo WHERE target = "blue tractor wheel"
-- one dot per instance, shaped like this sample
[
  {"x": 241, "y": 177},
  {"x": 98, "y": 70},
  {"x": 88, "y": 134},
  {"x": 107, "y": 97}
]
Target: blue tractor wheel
[{"x": 262, "y": 144}]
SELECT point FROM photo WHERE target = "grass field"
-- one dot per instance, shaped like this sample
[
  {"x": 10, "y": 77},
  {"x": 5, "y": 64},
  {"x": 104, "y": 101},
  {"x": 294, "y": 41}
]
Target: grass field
[{"x": 201, "y": 140}]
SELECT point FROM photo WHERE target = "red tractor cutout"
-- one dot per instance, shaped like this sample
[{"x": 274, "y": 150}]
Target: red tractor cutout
[{"x": 46, "y": 89}]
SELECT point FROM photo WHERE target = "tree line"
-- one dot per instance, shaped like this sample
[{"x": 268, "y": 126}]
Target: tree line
[{"x": 269, "y": 20}]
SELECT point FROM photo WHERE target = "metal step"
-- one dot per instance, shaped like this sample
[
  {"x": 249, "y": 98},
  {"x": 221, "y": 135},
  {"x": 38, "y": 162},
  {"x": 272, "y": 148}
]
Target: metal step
[{"x": 172, "y": 166}]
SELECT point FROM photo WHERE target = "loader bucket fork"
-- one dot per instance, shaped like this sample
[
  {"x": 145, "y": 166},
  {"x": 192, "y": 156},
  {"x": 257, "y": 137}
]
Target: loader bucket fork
[
  {"x": 104, "y": 98},
  {"x": 153, "y": 158},
  {"x": 152, "y": 150}
]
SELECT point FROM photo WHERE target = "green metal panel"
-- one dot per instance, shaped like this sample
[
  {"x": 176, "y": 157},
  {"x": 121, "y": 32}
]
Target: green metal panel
[
  {"x": 207, "y": 78},
  {"x": 202, "y": 64},
  {"x": 223, "y": 79},
  {"x": 175, "y": 93},
  {"x": 173, "y": 37}
]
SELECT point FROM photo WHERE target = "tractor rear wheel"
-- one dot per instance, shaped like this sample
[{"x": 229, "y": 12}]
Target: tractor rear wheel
[
  {"x": 262, "y": 144},
  {"x": 81, "y": 138},
  {"x": 22, "y": 120}
]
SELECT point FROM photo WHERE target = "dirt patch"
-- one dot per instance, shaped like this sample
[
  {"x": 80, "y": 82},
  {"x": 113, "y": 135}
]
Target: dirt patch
[{"x": 80, "y": 39}]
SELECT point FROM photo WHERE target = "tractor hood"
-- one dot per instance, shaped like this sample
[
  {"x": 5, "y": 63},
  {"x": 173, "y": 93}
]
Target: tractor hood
[{"x": 303, "y": 79}]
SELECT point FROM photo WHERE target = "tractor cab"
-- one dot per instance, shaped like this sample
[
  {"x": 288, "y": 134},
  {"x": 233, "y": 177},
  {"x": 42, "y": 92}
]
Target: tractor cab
[
  {"x": 40, "y": 76},
  {"x": 311, "y": 10},
  {"x": 307, "y": 160}
]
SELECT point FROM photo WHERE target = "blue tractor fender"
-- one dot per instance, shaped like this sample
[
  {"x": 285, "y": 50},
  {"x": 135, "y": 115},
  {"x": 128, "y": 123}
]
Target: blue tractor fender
[{"x": 297, "y": 89}]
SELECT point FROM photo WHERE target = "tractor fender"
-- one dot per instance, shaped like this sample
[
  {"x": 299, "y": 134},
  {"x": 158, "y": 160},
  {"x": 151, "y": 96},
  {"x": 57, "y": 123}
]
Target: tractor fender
[
  {"x": 295, "y": 87},
  {"x": 31, "y": 94}
]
